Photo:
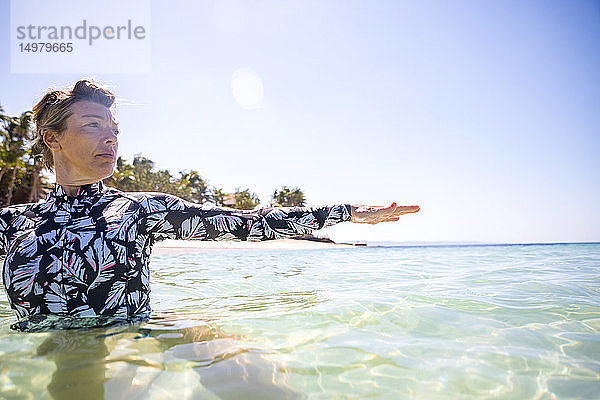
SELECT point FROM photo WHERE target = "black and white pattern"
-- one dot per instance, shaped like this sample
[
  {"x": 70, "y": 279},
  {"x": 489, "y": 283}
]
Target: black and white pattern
[{"x": 88, "y": 255}]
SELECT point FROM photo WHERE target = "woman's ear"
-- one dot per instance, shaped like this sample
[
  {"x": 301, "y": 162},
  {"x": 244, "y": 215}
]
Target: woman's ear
[{"x": 51, "y": 140}]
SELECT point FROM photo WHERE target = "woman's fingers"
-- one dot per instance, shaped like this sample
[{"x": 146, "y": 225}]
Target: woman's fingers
[{"x": 400, "y": 210}]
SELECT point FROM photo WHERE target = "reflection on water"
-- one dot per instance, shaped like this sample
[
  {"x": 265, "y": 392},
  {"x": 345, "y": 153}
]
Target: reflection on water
[
  {"x": 272, "y": 302},
  {"x": 131, "y": 361},
  {"x": 507, "y": 322}
]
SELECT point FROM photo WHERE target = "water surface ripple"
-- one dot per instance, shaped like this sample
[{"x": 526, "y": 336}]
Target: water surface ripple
[{"x": 470, "y": 322}]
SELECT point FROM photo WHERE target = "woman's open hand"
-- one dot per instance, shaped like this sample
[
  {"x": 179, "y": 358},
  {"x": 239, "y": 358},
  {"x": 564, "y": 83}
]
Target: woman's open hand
[{"x": 375, "y": 214}]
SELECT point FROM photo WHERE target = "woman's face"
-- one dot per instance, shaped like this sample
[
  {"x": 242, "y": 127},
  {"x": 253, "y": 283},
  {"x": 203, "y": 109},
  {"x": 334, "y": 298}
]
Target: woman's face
[{"x": 87, "y": 150}]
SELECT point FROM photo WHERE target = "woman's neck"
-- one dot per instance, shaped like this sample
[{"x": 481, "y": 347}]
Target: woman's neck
[
  {"x": 72, "y": 182},
  {"x": 70, "y": 190}
]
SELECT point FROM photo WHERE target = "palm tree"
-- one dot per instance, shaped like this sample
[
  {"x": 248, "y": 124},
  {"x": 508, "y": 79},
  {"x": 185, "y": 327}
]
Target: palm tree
[
  {"x": 123, "y": 177},
  {"x": 16, "y": 132},
  {"x": 142, "y": 172},
  {"x": 35, "y": 190},
  {"x": 192, "y": 187},
  {"x": 245, "y": 200},
  {"x": 288, "y": 197},
  {"x": 218, "y": 196},
  {"x": 5, "y": 143}
]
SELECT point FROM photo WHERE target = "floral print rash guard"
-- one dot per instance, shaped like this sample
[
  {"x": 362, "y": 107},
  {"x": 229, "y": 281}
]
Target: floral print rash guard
[{"x": 88, "y": 255}]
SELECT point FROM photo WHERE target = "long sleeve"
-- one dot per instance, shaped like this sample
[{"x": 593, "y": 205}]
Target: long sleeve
[
  {"x": 170, "y": 217},
  {"x": 11, "y": 219},
  {"x": 4, "y": 221}
]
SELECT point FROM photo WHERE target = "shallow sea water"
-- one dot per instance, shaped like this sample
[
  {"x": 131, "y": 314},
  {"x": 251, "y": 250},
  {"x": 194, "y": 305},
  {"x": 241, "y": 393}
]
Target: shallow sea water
[{"x": 469, "y": 322}]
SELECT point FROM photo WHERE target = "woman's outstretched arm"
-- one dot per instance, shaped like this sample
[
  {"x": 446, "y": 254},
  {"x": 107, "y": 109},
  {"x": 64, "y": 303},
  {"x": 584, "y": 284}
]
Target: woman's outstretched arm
[{"x": 170, "y": 217}]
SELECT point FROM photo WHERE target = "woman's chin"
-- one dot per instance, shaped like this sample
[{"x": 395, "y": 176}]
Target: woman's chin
[{"x": 102, "y": 172}]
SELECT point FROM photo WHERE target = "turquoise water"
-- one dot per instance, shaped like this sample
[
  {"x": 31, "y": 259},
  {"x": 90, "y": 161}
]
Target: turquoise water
[{"x": 510, "y": 322}]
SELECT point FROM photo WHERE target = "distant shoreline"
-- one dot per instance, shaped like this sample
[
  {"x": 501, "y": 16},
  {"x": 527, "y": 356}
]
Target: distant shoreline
[
  {"x": 468, "y": 244},
  {"x": 182, "y": 246}
]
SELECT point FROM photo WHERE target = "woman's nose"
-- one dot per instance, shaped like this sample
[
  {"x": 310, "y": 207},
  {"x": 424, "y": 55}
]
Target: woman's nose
[{"x": 110, "y": 135}]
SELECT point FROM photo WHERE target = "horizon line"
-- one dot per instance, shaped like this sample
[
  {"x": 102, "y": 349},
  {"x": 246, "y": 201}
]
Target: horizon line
[{"x": 456, "y": 244}]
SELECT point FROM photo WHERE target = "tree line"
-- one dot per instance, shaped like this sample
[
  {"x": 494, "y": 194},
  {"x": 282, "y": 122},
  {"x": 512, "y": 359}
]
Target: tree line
[{"x": 23, "y": 178}]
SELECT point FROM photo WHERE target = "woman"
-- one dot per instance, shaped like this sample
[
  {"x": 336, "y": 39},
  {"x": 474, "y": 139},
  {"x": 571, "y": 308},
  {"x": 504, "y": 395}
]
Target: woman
[{"x": 84, "y": 251}]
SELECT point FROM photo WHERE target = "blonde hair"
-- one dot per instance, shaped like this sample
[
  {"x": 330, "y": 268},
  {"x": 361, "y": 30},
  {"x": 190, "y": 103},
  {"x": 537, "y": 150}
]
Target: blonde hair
[{"x": 52, "y": 111}]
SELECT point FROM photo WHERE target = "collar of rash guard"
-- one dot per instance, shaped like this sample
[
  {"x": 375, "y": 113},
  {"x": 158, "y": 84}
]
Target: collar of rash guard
[{"x": 85, "y": 191}]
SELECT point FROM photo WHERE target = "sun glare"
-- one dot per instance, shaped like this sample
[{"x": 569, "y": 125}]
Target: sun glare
[{"x": 247, "y": 88}]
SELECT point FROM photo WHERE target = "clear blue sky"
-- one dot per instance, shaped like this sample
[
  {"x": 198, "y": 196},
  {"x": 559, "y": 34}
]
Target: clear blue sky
[{"x": 485, "y": 113}]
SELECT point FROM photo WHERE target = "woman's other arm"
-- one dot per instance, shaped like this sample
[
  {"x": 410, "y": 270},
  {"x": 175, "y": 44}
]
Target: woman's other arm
[{"x": 11, "y": 220}]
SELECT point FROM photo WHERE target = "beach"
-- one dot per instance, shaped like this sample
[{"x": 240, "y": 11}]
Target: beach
[{"x": 182, "y": 246}]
